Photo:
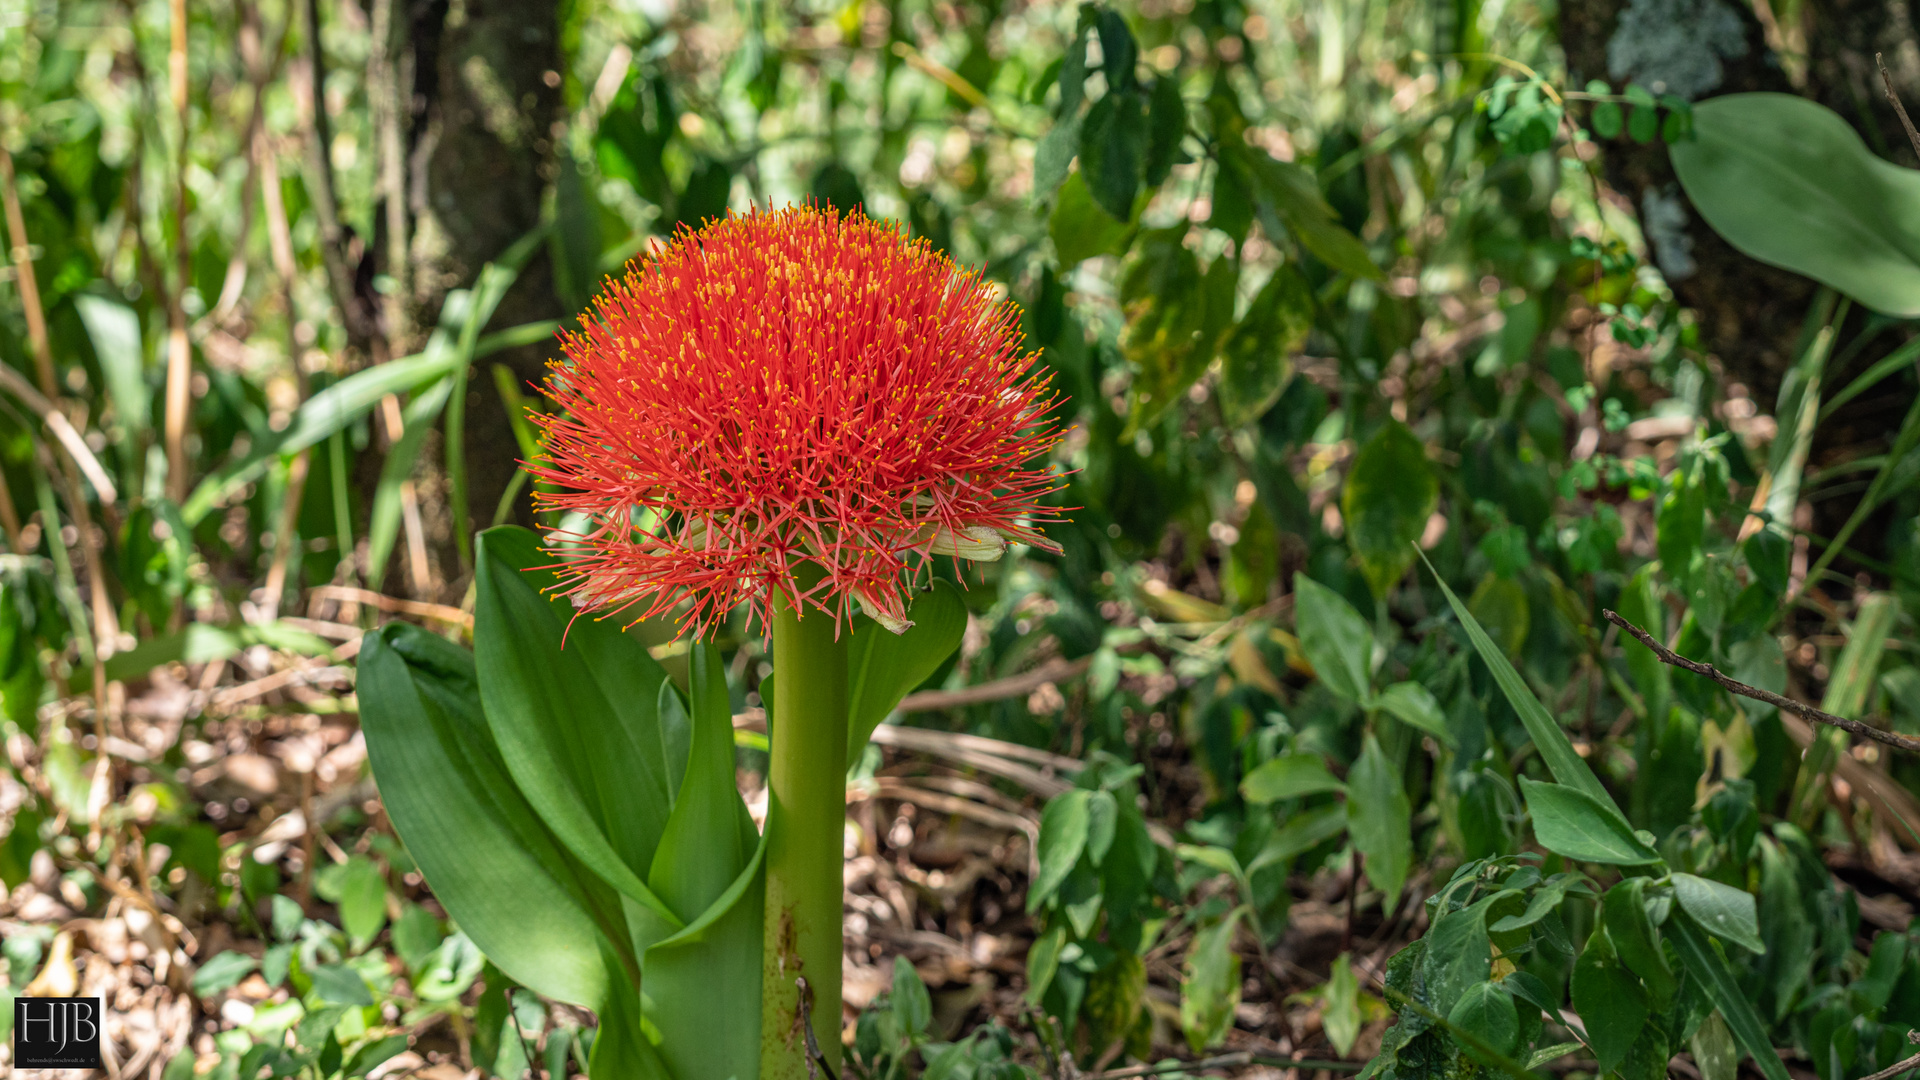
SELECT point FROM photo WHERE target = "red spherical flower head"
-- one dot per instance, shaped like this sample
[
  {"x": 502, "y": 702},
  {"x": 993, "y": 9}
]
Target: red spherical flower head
[{"x": 791, "y": 387}]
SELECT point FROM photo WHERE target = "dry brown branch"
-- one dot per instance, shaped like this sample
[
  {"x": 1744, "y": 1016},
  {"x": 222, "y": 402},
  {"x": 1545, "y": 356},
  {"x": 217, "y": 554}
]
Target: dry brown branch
[
  {"x": 1026, "y": 682},
  {"x": 887, "y": 787},
  {"x": 955, "y": 748},
  {"x": 393, "y": 604},
  {"x": 1785, "y": 704},
  {"x": 1887, "y": 80},
  {"x": 279, "y": 680}
]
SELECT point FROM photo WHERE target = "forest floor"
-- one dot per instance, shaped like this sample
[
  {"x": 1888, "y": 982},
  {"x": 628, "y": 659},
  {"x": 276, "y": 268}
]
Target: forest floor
[{"x": 940, "y": 849}]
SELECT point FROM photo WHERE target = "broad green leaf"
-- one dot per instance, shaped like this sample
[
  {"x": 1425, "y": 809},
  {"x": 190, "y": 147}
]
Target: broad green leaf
[
  {"x": 1115, "y": 995},
  {"x": 1722, "y": 910},
  {"x": 1166, "y": 125},
  {"x": 1340, "y": 1015},
  {"x": 1545, "y": 899},
  {"x": 1113, "y": 151},
  {"x": 1255, "y": 357},
  {"x": 1572, "y": 823},
  {"x": 363, "y": 900},
  {"x": 1210, "y": 990},
  {"x": 676, "y": 736},
  {"x": 1390, "y": 493},
  {"x": 1176, "y": 316},
  {"x": 883, "y": 667},
  {"x": 1459, "y": 954},
  {"x": 1337, "y": 641},
  {"x": 223, "y": 972},
  {"x": 1080, "y": 229},
  {"x": 1554, "y": 746},
  {"x": 1212, "y": 857},
  {"x": 1300, "y": 833},
  {"x": 1708, "y": 965},
  {"x": 1103, "y": 824},
  {"x": 376, "y": 1053},
  {"x": 703, "y": 983},
  {"x": 1608, "y": 121},
  {"x": 577, "y": 723},
  {"x": 1547, "y": 1055},
  {"x": 709, "y": 836},
  {"x": 1635, "y": 940},
  {"x": 1378, "y": 817},
  {"x": 1063, "y": 836},
  {"x": 340, "y": 984},
  {"x": 117, "y": 342},
  {"x": 1611, "y": 1002},
  {"x": 1789, "y": 182},
  {"x": 1885, "y": 965},
  {"x": 1289, "y": 776},
  {"x": 1053, "y": 156},
  {"x": 1714, "y": 1052},
  {"x": 1043, "y": 960},
  {"x": 1486, "y": 1012},
  {"x": 1289, "y": 195},
  {"x": 1640, "y": 605},
  {"x": 1054, "y": 153},
  {"x": 1680, "y": 520},
  {"x": 532, "y": 908},
  {"x": 912, "y": 1008},
  {"x": 621, "y": 1048},
  {"x": 1415, "y": 705}
]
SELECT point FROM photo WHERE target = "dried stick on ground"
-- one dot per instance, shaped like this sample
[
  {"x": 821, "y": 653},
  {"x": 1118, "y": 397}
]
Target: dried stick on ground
[{"x": 1808, "y": 712}]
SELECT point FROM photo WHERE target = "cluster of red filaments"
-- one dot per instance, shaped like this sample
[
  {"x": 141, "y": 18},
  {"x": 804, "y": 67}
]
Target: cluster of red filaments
[{"x": 789, "y": 395}]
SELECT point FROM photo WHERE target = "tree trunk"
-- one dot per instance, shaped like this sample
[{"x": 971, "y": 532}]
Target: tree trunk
[
  {"x": 1751, "y": 314},
  {"x": 483, "y": 112}
]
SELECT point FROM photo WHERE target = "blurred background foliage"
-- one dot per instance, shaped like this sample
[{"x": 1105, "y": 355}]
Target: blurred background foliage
[{"x": 1322, "y": 281}]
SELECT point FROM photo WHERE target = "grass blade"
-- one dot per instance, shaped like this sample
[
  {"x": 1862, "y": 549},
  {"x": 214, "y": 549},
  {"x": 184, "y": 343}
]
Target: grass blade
[{"x": 1555, "y": 748}]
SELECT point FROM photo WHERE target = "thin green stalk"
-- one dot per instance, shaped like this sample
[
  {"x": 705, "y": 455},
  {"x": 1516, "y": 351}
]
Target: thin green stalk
[
  {"x": 806, "y": 822},
  {"x": 66, "y": 586},
  {"x": 342, "y": 509}
]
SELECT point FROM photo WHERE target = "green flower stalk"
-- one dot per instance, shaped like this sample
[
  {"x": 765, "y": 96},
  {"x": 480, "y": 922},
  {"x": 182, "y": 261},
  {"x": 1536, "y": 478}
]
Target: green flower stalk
[{"x": 794, "y": 413}]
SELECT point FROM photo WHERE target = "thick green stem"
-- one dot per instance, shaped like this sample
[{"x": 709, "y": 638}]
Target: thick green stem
[{"x": 806, "y": 822}]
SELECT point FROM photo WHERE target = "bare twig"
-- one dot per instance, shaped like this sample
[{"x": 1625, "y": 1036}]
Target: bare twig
[
  {"x": 1800, "y": 709},
  {"x": 421, "y": 609},
  {"x": 1887, "y": 79},
  {"x": 63, "y": 431},
  {"x": 816, "y": 1061},
  {"x": 1000, "y": 689},
  {"x": 1913, "y": 1062}
]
